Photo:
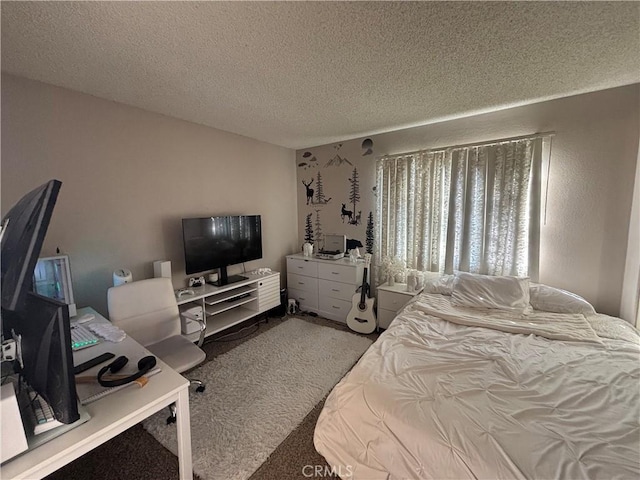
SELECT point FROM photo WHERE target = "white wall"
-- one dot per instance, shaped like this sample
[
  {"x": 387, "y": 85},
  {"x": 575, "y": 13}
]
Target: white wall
[
  {"x": 630, "y": 302},
  {"x": 130, "y": 176},
  {"x": 593, "y": 164}
]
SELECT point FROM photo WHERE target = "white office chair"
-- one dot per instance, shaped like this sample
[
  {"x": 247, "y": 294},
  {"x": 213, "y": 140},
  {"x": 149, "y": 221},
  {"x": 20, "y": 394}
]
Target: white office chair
[{"x": 147, "y": 311}]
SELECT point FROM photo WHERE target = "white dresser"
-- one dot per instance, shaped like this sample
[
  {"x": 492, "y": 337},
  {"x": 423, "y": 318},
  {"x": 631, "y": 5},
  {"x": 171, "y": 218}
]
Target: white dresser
[
  {"x": 325, "y": 287},
  {"x": 390, "y": 300}
]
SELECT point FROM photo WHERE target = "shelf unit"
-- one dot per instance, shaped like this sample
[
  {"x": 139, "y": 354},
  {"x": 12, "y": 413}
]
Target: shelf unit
[{"x": 232, "y": 304}]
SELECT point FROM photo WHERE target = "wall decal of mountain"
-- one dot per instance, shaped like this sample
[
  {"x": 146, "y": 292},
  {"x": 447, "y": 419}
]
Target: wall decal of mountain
[{"x": 337, "y": 161}]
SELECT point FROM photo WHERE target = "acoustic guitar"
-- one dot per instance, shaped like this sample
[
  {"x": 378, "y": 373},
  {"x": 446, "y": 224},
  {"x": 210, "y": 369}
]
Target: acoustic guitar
[{"x": 361, "y": 317}]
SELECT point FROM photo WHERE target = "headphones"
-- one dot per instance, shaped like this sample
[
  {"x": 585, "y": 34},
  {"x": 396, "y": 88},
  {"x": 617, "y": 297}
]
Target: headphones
[{"x": 144, "y": 365}]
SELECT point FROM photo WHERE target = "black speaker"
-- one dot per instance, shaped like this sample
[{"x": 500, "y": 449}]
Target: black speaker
[{"x": 281, "y": 310}]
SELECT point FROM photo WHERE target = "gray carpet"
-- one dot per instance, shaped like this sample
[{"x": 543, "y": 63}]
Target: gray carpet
[
  {"x": 135, "y": 454},
  {"x": 258, "y": 393}
]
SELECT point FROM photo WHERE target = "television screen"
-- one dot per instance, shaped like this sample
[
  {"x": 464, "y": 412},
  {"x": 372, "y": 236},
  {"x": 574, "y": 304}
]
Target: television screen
[{"x": 217, "y": 242}]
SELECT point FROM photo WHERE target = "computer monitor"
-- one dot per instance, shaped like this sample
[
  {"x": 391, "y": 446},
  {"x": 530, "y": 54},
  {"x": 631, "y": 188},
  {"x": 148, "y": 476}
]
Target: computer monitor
[
  {"x": 52, "y": 278},
  {"x": 40, "y": 324},
  {"x": 23, "y": 230},
  {"x": 44, "y": 333}
]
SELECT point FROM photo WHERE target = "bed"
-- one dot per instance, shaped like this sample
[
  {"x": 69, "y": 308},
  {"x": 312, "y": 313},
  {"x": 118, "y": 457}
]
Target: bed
[{"x": 455, "y": 392}]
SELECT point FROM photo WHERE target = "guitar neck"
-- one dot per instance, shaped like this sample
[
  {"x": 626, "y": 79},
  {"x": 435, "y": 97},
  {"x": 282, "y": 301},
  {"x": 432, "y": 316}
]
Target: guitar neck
[{"x": 364, "y": 287}]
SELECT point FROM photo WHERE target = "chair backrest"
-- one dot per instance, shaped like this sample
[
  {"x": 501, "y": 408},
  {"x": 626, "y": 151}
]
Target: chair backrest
[{"x": 146, "y": 310}]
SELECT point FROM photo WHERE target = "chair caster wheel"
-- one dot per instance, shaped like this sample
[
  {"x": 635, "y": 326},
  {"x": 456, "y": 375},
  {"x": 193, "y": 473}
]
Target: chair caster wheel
[
  {"x": 171, "y": 420},
  {"x": 200, "y": 389}
]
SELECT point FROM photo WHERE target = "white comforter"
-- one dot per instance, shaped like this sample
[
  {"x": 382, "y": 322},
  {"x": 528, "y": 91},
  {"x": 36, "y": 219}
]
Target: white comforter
[{"x": 437, "y": 399}]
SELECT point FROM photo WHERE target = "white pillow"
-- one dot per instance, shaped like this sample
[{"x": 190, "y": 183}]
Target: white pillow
[
  {"x": 612, "y": 327},
  {"x": 485, "y": 291},
  {"x": 441, "y": 284},
  {"x": 550, "y": 299}
]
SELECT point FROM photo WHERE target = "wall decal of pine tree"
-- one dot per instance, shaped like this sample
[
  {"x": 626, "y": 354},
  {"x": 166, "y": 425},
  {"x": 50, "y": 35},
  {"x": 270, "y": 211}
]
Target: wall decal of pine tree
[
  {"x": 308, "y": 230},
  {"x": 354, "y": 195},
  {"x": 320, "y": 198},
  {"x": 369, "y": 241},
  {"x": 318, "y": 232}
]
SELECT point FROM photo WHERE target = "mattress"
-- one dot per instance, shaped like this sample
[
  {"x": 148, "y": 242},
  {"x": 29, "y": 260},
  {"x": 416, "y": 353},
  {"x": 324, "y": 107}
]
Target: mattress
[{"x": 482, "y": 395}]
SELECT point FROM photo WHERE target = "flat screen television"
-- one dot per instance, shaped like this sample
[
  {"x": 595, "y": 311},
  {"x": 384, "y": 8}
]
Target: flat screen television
[
  {"x": 218, "y": 242},
  {"x": 41, "y": 323}
]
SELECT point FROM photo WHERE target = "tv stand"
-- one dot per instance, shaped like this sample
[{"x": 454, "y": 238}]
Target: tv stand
[
  {"x": 239, "y": 300},
  {"x": 228, "y": 280},
  {"x": 224, "y": 279}
]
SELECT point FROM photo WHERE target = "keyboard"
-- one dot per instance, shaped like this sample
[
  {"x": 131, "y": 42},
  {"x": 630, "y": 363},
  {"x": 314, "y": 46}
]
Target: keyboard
[
  {"x": 43, "y": 418},
  {"x": 82, "y": 337}
]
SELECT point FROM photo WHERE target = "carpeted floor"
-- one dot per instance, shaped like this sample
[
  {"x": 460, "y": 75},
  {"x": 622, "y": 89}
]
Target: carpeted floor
[
  {"x": 259, "y": 392},
  {"x": 135, "y": 454}
]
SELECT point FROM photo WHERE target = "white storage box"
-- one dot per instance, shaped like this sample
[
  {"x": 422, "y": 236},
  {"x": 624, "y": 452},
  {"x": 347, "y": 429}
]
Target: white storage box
[
  {"x": 13, "y": 438},
  {"x": 190, "y": 320}
]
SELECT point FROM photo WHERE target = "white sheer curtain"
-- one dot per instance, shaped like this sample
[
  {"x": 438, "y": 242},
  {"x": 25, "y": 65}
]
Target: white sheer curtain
[{"x": 474, "y": 209}]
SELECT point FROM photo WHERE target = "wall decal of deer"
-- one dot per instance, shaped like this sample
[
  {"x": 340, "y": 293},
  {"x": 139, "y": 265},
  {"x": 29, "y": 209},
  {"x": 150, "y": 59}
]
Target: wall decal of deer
[
  {"x": 346, "y": 213},
  {"x": 309, "y": 191}
]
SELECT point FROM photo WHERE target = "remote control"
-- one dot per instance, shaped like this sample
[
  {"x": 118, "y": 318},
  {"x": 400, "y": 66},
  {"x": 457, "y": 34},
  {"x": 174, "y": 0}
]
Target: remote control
[{"x": 92, "y": 363}]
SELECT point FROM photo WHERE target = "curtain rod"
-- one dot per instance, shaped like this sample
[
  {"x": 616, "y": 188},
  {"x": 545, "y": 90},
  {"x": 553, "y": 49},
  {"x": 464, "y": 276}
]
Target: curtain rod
[{"x": 475, "y": 144}]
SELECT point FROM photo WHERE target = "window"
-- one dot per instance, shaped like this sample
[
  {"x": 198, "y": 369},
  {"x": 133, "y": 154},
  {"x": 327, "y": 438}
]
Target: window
[{"x": 473, "y": 208}]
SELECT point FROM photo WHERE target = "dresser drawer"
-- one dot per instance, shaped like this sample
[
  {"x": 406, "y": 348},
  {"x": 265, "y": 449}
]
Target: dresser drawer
[
  {"x": 302, "y": 267},
  {"x": 340, "y": 273},
  {"x": 308, "y": 300},
  {"x": 300, "y": 282},
  {"x": 343, "y": 291},
  {"x": 334, "y": 308},
  {"x": 393, "y": 301}
]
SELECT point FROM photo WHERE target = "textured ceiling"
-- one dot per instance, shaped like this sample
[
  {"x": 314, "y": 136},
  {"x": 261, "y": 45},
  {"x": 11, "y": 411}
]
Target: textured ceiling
[{"x": 300, "y": 74}]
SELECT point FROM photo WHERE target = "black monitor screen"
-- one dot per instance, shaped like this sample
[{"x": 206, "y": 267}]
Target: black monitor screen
[
  {"x": 45, "y": 348},
  {"x": 23, "y": 232},
  {"x": 216, "y": 242}
]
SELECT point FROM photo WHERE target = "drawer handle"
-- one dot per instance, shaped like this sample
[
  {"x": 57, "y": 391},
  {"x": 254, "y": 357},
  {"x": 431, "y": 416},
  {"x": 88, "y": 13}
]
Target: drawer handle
[
  {"x": 300, "y": 267},
  {"x": 302, "y": 298},
  {"x": 335, "y": 290},
  {"x": 335, "y": 273},
  {"x": 333, "y": 306},
  {"x": 300, "y": 283}
]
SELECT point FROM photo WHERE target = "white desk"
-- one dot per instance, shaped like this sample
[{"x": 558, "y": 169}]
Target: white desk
[{"x": 110, "y": 416}]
